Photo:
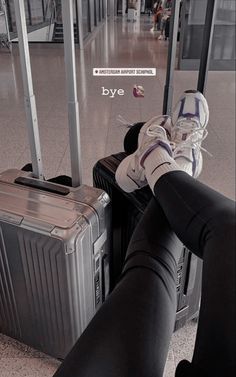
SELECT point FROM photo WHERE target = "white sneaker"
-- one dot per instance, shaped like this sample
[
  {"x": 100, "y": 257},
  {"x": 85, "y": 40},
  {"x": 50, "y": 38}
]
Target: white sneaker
[
  {"x": 189, "y": 121},
  {"x": 161, "y": 37},
  {"x": 130, "y": 174},
  {"x": 164, "y": 121}
]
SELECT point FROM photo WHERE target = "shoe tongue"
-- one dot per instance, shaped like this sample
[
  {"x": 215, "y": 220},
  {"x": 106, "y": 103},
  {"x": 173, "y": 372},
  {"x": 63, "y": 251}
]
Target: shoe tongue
[
  {"x": 157, "y": 129},
  {"x": 181, "y": 136},
  {"x": 189, "y": 129},
  {"x": 184, "y": 152}
]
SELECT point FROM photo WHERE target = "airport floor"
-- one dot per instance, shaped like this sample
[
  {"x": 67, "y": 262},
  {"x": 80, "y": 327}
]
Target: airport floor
[{"x": 120, "y": 44}]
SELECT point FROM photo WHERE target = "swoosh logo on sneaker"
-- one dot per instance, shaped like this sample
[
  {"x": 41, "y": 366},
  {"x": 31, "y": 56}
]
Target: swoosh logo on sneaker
[
  {"x": 134, "y": 181},
  {"x": 158, "y": 166}
]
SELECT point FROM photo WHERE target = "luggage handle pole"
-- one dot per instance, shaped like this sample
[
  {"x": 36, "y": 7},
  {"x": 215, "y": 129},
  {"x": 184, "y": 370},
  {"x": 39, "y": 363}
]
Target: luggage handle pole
[
  {"x": 73, "y": 105},
  {"x": 174, "y": 25},
  {"x": 205, "y": 52},
  {"x": 206, "y": 45},
  {"x": 29, "y": 98}
]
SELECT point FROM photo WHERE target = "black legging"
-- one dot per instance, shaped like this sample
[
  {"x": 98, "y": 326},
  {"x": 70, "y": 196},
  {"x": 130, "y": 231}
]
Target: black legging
[{"x": 130, "y": 335}]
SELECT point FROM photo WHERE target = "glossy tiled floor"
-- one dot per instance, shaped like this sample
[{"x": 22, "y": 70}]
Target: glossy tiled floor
[{"x": 116, "y": 44}]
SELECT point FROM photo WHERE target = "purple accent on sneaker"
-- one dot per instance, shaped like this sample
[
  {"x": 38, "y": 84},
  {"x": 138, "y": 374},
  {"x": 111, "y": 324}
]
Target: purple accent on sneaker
[
  {"x": 187, "y": 115},
  {"x": 159, "y": 143}
]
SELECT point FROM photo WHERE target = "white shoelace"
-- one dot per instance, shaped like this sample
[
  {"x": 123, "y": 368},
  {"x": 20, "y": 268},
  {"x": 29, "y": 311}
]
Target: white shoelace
[
  {"x": 192, "y": 141},
  {"x": 124, "y": 122}
]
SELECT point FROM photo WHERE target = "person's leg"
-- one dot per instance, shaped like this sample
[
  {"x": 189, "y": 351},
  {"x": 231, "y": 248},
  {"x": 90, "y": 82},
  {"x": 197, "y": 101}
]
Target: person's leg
[
  {"x": 155, "y": 20},
  {"x": 161, "y": 24},
  {"x": 130, "y": 334},
  {"x": 203, "y": 219}
]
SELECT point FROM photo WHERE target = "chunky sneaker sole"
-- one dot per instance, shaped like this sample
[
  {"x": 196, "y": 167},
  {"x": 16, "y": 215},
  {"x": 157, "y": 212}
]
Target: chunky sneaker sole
[
  {"x": 130, "y": 174},
  {"x": 189, "y": 120}
]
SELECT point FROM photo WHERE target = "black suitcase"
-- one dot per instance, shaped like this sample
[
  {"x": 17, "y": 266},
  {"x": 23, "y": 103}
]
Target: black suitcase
[{"x": 127, "y": 209}]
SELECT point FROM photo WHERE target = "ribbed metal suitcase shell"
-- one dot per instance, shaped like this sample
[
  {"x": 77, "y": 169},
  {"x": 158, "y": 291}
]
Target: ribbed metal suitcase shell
[{"x": 53, "y": 263}]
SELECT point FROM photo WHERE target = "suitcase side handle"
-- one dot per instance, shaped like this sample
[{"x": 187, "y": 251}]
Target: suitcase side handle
[{"x": 42, "y": 185}]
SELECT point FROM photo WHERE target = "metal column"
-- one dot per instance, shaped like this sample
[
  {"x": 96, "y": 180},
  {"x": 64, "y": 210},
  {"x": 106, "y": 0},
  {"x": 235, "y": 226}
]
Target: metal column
[
  {"x": 174, "y": 25},
  {"x": 73, "y": 106},
  {"x": 206, "y": 44},
  {"x": 30, "y": 105}
]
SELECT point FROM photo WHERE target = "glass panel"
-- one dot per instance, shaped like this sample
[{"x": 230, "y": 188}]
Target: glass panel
[
  {"x": 44, "y": 18},
  {"x": 223, "y": 44},
  {"x": 96, "y": 11},
  {"x": 28, "y": 13},
  {"x": 108, "y": 8},
  {"x": 38, "y": 16},
  {"x": 91, "y": 15},
  {"x": 58, "y": 11},
  {"x": 103, "y": 8},
  {"x": 85, "y": 12},
  {"x": 36, "y": 11},
  {"x": 3, "y": 28},
  {"x": 119, "y": 6}
]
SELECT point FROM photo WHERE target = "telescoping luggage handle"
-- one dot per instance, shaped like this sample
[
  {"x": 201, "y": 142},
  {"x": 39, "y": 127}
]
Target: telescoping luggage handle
[
  {"x": 30, "y": 105},
  {"x": 205, "y": 52}
]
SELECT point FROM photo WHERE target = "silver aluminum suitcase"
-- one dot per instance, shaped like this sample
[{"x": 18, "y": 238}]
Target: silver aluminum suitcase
[{"x": 54, "y": 262}]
